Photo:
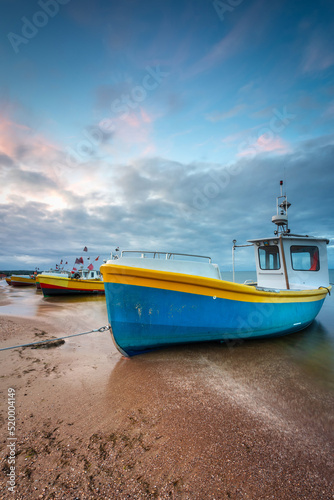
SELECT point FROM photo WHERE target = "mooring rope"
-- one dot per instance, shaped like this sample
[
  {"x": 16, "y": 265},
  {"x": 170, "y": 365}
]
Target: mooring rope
[{"x": 102, "y": 329}]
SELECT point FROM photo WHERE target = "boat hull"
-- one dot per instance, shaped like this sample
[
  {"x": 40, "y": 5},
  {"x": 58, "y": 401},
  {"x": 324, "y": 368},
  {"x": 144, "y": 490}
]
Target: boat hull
[
  {"x": 22, "y": 281},
  {"x": 148, "y": 310},
  {"x": 52, "y": 285}
]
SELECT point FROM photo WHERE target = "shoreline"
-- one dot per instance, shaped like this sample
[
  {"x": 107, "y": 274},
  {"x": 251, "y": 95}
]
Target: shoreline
[{"x": 192, "y": 422}]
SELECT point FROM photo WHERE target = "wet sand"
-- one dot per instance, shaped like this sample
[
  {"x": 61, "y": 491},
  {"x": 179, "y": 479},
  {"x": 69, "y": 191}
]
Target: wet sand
[{"x": 193, "y": 422}]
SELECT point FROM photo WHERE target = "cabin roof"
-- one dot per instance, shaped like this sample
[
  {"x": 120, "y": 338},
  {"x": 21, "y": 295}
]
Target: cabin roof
[{"x": 290, "y": 237}]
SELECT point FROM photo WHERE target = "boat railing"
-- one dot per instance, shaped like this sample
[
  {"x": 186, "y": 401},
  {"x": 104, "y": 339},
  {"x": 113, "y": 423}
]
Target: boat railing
[{"x": 163, "y": 255}]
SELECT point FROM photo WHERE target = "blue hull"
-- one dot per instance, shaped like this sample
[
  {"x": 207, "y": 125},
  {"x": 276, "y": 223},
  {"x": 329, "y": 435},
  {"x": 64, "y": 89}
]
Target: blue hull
[{"x": 144, "y": 318}]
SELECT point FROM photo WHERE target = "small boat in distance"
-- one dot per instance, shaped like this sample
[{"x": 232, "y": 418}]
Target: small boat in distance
[
  {"x": 22, "y": 280},
  {"x": 83, "y": 282},
  {"x": 157, "y": 299},
  {"x": 51, "y": 272}
]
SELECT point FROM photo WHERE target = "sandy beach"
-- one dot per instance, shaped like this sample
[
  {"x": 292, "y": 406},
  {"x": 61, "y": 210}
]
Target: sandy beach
[{"x": 191, "y": 422}]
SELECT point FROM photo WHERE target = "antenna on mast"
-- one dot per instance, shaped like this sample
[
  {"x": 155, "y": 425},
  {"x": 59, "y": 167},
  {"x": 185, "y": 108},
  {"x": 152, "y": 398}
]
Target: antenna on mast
[{"x": 281, "y": 218}]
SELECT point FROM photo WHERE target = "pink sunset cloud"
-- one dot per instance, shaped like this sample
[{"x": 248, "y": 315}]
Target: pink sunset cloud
[
  {"x": 9, "y": 132},
  {"x": 17, "y": 137},
  {"x": 265, "y": 144}
]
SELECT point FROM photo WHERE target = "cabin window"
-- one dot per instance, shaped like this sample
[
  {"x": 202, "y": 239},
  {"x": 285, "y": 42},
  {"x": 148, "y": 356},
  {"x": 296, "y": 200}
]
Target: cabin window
[
  {"x": 305, "y": 258},
  {"x": 269, "y": 258}
]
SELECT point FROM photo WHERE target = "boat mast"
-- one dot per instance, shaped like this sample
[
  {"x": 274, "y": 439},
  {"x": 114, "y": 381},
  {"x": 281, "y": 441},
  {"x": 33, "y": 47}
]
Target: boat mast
[
  {"x": 281, "y": 221},
  {"x": 281, "y": 217}
]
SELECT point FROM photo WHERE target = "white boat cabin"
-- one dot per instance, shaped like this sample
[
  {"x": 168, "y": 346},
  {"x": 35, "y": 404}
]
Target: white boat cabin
[
  {"x": 291, "y": 262},
  {"x": 87, "y": 274}
]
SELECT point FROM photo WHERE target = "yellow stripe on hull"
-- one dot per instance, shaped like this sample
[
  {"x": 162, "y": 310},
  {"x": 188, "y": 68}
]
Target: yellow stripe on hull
[{"x": 204, "y": 286}]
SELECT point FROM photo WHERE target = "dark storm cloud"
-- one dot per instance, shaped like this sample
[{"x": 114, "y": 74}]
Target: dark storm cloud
[
  {"x": 28, "y": 180},
  {"x": 158, "y": 204},
  {"x": 23, "y": 151},
  {"x": 5, "y": 161}
]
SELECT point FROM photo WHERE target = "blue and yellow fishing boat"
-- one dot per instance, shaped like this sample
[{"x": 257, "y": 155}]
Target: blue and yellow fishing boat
[{"x": 158, "y": 299}]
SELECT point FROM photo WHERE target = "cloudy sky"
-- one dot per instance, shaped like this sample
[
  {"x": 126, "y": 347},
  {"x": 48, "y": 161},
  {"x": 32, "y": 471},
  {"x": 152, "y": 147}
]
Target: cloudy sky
[{"x": 162, "y": 125}]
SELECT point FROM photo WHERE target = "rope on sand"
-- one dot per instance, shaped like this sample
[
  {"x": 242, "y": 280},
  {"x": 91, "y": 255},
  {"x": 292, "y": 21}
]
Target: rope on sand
[{"x": 102, "y": 329}]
